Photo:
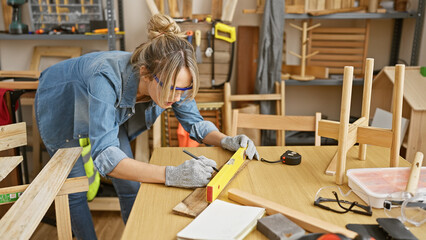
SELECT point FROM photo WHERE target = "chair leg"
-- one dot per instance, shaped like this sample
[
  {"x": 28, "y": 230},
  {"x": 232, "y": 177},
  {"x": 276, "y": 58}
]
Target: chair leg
[
  {"x": 63, "y": 218},
  {"x": 398, "y": 92},
  {"x": 344, "y": 124}
]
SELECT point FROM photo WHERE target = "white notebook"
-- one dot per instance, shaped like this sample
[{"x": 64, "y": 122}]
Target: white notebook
[{"x": 222, "y": 220}]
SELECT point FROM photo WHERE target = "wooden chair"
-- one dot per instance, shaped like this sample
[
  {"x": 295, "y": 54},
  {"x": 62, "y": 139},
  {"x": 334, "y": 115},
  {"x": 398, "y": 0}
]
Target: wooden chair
[
  {"x": 51, "y": 184},
  {"x": 278, "y": 96},
  {"x": 275, "y": 122},
  {"x": 33, "y": 73}
]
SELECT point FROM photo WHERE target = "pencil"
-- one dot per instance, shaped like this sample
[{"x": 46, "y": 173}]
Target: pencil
[{"x": 192, "y": 155}]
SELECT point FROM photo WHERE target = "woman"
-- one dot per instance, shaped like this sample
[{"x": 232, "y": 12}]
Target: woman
[{"x": 111, "y": 97}]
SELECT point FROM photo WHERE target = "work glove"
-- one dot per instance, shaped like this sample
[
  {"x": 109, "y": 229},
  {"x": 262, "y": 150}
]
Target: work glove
[
  {"x": 190, "y": 174},
  {"x": 234, "y": 143}
]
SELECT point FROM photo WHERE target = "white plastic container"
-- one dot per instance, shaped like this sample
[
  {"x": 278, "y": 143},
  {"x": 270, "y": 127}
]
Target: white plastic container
[{"x": 378, "y": 183}]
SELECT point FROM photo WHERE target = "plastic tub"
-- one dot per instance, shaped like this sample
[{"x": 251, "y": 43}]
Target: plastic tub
[{"x": 378, "y": 183}]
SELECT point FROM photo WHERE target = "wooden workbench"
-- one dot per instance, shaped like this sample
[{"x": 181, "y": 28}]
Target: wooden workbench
[{"x": 291, "y": 186}]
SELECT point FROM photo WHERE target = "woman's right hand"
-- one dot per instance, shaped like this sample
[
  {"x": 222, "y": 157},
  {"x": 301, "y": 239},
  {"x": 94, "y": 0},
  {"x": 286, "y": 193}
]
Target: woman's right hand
[{"x": 190, "y": 174}]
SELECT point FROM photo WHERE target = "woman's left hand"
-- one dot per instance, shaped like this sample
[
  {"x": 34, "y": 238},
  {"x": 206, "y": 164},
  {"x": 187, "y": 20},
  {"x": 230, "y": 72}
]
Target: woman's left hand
[{"x": 234, "y": 143}]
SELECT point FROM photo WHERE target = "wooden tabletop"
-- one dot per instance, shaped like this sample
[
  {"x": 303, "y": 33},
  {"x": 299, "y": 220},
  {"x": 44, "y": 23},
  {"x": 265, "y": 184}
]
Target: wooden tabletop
[{"x": 291, "y": 186}]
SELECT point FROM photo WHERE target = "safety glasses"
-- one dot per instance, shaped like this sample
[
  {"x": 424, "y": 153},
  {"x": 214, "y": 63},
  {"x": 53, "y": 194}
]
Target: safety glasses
[
  {"x": 410, "y": 209},
  {"x": 172, "y": 87},
  {"x": 332, "y": 198}
]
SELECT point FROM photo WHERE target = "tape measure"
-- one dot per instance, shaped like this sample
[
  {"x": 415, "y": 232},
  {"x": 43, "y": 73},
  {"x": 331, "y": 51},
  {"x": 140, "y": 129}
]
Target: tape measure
[{"x": 289, "y": 158}]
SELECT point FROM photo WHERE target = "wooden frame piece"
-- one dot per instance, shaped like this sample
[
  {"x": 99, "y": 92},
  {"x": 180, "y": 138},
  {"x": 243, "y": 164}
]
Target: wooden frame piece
[
  {"x": 278, "y": 96},
  {"x": 359, "y": 131},
  {"x": 26, "y": 213},
  {"x": 307, "y": 222},
  {"x": 276, "y": 122}
]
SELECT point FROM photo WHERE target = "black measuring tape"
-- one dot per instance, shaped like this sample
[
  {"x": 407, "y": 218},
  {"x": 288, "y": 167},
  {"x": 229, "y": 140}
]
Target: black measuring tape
[{"x": 289, "y": 158}]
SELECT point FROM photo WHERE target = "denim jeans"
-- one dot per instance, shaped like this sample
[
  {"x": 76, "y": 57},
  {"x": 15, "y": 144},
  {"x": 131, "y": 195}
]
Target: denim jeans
[{"x": 81, "y": 218}]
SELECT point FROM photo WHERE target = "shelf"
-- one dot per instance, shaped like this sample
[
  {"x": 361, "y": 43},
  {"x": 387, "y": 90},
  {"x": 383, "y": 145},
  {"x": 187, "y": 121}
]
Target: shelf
[
  {"x": 5, "y": 36},
  {"x": 388, "y": 15},
  {"x": 323, "y": 82}
]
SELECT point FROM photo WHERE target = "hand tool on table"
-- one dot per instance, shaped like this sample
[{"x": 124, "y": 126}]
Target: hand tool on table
[
  {"x": 197, "y": 44},
  {"x": 196, "y": 202},
  {"x": 192, "y": 155},
  {"x": 404, "y": 205},
  {"x": 289, "y": 158},
  {"x": 226, "y": 173}
]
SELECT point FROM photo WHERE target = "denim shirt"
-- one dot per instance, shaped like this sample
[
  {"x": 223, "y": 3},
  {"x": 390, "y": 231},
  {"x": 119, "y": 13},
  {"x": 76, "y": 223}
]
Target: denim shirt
[{"x": 92, "y": 96}]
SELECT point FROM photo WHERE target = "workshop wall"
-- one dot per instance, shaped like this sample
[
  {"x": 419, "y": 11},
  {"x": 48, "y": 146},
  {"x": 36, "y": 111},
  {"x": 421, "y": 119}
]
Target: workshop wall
[{"x": 15, "y": 55}]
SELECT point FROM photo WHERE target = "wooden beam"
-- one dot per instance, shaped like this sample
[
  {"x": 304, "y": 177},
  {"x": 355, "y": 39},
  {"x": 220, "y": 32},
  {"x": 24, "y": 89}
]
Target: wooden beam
[
  {"x": 7, "y": 164},
  {"x": 13, "y": 135},
  {"x": 25, "y": 215},
  {"x": 104, "y": 204},
  {"x": 307, "y": 222}
]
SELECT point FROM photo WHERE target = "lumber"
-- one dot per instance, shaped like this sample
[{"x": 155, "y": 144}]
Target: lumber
[
  {"x": 24, "y": 216},
  {"x": 331, "y": 11},
  {"x": 307, "y": 222},
  {"x": 13, "y": 135},
  {"x": 7, "y": 164}
]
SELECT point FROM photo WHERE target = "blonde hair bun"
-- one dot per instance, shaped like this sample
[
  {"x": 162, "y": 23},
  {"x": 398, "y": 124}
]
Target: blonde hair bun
[{"x": 161, "y": 24}]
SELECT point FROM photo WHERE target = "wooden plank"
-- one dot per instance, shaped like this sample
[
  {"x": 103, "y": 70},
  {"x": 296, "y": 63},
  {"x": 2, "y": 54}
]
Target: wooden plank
[
  {"x": 331, "y": 11},
  {"x": 19, "y": 85},
  {"x": 337, "y": 57},
  {"x": 7, "y": 14},
  {"x": 25, "y": 215},
  {"x": 7, "y": 164},
  {"x": 173, "y": 9},
  {"x": 337, "y": 44},
  {"x": 274, "y": 122},
  {"x": 20, "y": 74},
  {"x": 195, "y": 203},
  {"x": 340, "y": 30},
  {"x": 331, "y": 168},
  {"x": 104, "y": 204},
  {"x": 216, "y": 9},
  {"x": 375, "y": 136},
  {"x": 336, "y": 63},
  {"x": 337, "y": 37},
  {"x": 339, "y": 50},
  {"x": 187, "y": 9},
  {"x": 63, "y": 220},
  {"x": 13, "y": 135},
  {"x": 247, "y": 52},
  {"x": 316, "y": 71},
  {"x": 253, "y": 97},
  {"x": 307, "y": 222},
  {"x": 219, "y": 68},
  {"x": 47, "y": 51},
  {"x": 229, "y": 10}
]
